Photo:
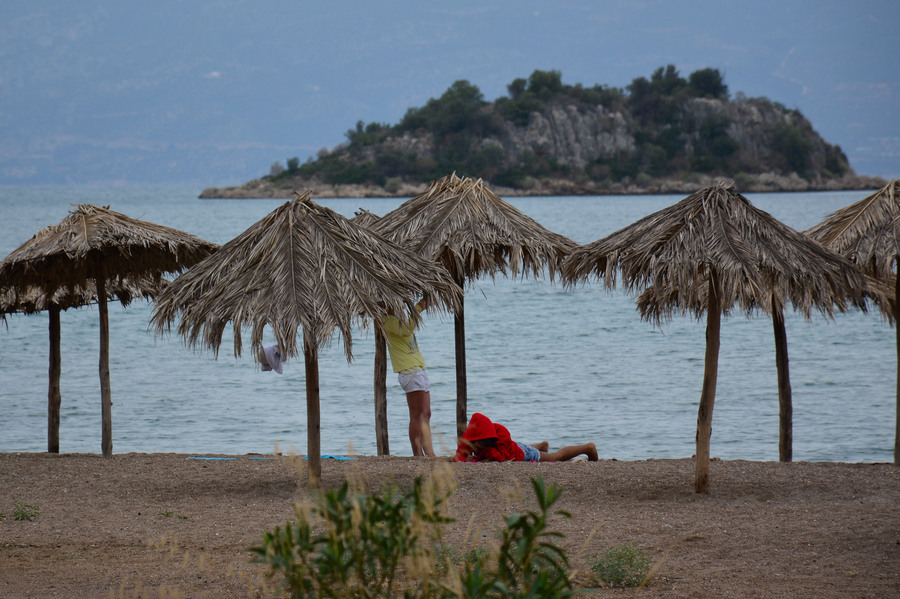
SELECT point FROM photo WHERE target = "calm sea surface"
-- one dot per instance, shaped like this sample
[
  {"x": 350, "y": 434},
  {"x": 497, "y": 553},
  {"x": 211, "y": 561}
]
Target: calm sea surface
[{"x": 564, "y": 365}]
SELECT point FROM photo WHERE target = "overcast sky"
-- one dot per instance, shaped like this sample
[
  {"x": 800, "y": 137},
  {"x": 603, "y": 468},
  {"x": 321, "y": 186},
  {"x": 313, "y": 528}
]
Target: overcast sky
[{"x": 212, "y": 92}]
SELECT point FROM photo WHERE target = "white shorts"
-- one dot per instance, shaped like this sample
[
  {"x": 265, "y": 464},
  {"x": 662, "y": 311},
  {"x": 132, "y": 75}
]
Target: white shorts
[{"x": 415, "y": 381}]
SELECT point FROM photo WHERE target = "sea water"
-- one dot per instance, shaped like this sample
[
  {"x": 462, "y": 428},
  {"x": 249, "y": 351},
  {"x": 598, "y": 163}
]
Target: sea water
[{"x": 565, "y": 365}]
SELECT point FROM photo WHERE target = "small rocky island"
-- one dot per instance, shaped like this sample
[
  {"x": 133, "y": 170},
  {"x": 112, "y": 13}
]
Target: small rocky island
[{"x": 666, "y": 134}]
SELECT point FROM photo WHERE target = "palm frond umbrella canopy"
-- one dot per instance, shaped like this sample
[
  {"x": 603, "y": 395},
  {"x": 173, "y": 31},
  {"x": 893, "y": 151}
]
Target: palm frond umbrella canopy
[
  {"x": 303, "y": 266},
  {"x": 868, "y": 233},
  {"x": 33, "y": 300},
  {"x": 708, "y": 253},
  {"x": 364, "y": 218},
  {"x": 93, "y": 253},
  {"x": 464, "y": 226}
]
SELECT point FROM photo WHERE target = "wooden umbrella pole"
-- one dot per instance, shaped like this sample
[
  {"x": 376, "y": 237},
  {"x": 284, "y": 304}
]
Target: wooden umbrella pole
[
  {"x": 897, "y": 333},
  {"x": 105, "y": 391},
  {"x": 54, "y": 397},
  {"x": 459, "y": 327},
  {"x": 313, "y": 433},
  {"x": 785, "y": 402},
  {"x": 381, "y": 422},
  {"x": 708, "y": 392}
]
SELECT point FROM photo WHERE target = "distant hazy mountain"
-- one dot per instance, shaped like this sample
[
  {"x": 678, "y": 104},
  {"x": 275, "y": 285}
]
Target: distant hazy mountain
[{"x": 211, "y": 92}]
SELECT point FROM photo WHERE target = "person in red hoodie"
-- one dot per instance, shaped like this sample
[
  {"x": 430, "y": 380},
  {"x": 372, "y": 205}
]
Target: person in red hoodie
[{"x": 486, "y": 441}]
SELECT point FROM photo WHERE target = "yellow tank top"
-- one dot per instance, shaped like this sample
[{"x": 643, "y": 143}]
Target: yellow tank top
[{"x": 402, "y": 345}]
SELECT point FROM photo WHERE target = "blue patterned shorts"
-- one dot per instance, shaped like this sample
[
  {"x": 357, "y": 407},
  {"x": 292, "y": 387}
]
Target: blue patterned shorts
[{"x": 531, "y": 453}]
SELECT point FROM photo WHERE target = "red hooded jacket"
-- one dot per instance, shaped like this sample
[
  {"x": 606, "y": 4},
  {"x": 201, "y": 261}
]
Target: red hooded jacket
[{"x": 480, "y": 427}]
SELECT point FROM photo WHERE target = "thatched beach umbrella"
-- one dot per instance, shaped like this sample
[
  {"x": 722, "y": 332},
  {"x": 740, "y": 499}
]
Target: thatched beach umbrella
[
  {"x": 464, "y": 226},
  {"x": 32, "y": 300},
  {"x": 364, "y": 218},
  {"x": 90, "y": 252},
  {"x": 302, "y": 266},
  {"x": 711, "y": 252},
  {"x": 868, "y": 233}
]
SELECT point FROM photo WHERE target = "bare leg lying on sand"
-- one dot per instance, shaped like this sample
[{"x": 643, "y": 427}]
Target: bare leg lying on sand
[{"x": 566, "y": 453}]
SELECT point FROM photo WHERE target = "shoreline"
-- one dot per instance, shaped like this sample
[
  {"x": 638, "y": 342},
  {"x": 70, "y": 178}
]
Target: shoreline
[
  {"x": 265, "y": 188},
  {"x": 361, "y": 456}
]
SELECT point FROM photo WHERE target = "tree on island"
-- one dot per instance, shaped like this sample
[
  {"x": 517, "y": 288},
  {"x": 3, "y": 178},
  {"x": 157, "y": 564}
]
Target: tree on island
[{"x": 680, "y": 128}]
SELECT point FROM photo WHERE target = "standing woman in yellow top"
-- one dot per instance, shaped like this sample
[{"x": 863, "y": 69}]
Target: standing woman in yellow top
[{"x": 409, "y": 364}]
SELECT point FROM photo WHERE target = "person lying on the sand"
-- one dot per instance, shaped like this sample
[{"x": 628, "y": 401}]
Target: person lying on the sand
[{"x": 486, "y": 441}]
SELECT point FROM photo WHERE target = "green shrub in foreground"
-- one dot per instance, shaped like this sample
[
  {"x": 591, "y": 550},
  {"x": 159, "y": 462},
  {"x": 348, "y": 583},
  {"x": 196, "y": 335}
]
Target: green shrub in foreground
[
  {"x": 389, "y": 545},
  {"x": 529, "y": 564},
  {"x": 363, "y": 545}
]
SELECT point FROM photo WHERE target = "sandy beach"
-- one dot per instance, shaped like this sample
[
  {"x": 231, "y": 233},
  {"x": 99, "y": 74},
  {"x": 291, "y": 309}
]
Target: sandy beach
[{"x": 168, "y": 525}]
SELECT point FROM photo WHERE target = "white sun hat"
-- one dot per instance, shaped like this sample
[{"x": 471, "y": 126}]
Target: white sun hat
[{"x": 270, "y": 358}]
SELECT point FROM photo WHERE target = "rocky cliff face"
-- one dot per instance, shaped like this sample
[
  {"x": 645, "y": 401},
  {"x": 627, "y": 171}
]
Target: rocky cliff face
[
  {"x": 574, "y": 136},
  {"x": 755, "y": 125},
  {"x": 577, "y": 136},
  {"x": 768, "y": 148}
]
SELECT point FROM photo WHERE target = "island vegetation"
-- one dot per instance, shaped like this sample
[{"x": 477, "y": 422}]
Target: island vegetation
[{"x": 662, "y": 133}]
